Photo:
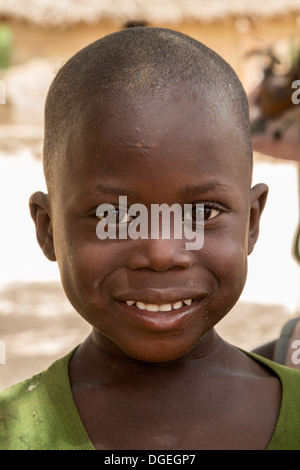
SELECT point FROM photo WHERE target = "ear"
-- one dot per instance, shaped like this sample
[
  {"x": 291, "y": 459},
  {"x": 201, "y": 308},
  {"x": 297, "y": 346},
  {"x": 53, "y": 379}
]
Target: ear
[
  {"x": 40, "y": 212},
  {"x": 258, "y": 198}
]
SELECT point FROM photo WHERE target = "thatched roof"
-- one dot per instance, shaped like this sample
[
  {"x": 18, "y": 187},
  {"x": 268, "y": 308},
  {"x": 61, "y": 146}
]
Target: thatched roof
[{"x": 68, "y": 12}]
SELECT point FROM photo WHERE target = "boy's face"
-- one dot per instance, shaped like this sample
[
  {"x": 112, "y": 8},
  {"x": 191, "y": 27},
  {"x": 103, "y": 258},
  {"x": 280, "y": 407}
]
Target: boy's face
[{"x": 154, "y": 152}]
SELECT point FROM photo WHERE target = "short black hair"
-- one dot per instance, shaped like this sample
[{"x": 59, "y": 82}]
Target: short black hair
[{"x": 139, "y": 59}]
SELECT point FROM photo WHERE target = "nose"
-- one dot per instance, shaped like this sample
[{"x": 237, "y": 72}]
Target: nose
[{"x": 160, "y": 255}]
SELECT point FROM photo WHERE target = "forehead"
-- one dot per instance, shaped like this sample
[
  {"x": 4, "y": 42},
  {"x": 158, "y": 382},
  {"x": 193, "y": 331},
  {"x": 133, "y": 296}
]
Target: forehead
[{"x": 151, "y": 139}]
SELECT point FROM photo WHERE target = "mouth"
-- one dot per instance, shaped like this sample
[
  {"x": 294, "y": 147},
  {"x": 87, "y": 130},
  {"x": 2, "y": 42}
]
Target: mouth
[
  {"x": 160, "y": 316},
  {"x": 167, "y": 307}
]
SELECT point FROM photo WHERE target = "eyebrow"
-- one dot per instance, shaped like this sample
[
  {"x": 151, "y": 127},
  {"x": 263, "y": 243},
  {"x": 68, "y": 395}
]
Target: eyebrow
[
  {"x": 206, "y": 187},
  {"x": 103, "y": 188},
  {"x": 189, "y": 189}
]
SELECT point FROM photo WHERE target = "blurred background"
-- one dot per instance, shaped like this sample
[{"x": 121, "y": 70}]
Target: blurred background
[{"x": 261, "y": 42}]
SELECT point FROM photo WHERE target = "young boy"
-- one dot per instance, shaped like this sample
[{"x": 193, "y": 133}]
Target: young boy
[{"x": 155, "y": 116}]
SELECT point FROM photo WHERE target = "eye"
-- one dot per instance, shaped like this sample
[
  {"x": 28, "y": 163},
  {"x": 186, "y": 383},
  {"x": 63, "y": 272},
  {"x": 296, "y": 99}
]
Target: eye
[
  {"x": 113, "y": 215},
  {"x": 206, "y": 210},
  {"x": 210, "y": 212}
]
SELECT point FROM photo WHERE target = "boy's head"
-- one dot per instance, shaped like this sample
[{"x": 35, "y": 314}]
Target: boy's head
[
  {"x": 159, "y": 63},
  {"x": 156, "y": 116}
]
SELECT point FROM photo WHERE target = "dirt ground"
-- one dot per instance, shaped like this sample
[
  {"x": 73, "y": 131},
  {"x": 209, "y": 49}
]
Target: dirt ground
[{"x": 38, "y": 325}]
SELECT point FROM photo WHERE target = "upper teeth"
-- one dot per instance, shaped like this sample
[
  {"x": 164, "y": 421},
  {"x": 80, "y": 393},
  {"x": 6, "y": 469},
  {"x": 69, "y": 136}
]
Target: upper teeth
[{"x": 159, "y": 308}]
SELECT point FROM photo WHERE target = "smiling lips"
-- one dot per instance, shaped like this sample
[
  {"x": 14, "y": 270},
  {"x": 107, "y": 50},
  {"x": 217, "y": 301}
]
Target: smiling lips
[{"x": 159, "y": 308}]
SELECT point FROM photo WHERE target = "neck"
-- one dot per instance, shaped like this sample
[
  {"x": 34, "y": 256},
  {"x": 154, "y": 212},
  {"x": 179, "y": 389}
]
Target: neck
[{"x": 98, "y": 360}]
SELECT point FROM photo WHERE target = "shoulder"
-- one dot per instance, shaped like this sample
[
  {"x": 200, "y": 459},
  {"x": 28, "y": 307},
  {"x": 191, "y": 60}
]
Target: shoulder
[
  {"x": 289, "y": 377},
  {"x": 17, "y": 416},
  {"x": 22, "y": 406},
  {"x": 286, "y": 434}
]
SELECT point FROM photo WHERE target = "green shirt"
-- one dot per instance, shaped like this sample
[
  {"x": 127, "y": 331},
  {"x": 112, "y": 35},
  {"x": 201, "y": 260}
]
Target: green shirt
[{"x": 40, "y": 413}]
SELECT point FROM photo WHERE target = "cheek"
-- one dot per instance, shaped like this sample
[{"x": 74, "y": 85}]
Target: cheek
[
  {"x": 83, "y": 275},
  {"x": 227, "y": 248},
  {"x": 83, "y": 261},
  {"x": 87, "y": 264},
  {"x": 226, "y": 260},
  {"x": 233, "y": 272},
  {"x": 230, "y": 260}
]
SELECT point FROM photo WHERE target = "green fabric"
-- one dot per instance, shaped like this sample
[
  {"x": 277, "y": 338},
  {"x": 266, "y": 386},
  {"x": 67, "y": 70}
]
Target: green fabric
[{"x": 40, "y": 413}]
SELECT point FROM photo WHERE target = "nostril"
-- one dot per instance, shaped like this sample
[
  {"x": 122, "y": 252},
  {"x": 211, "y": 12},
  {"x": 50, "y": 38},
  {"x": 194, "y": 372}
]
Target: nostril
[{"x": 160, "y": 255}]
